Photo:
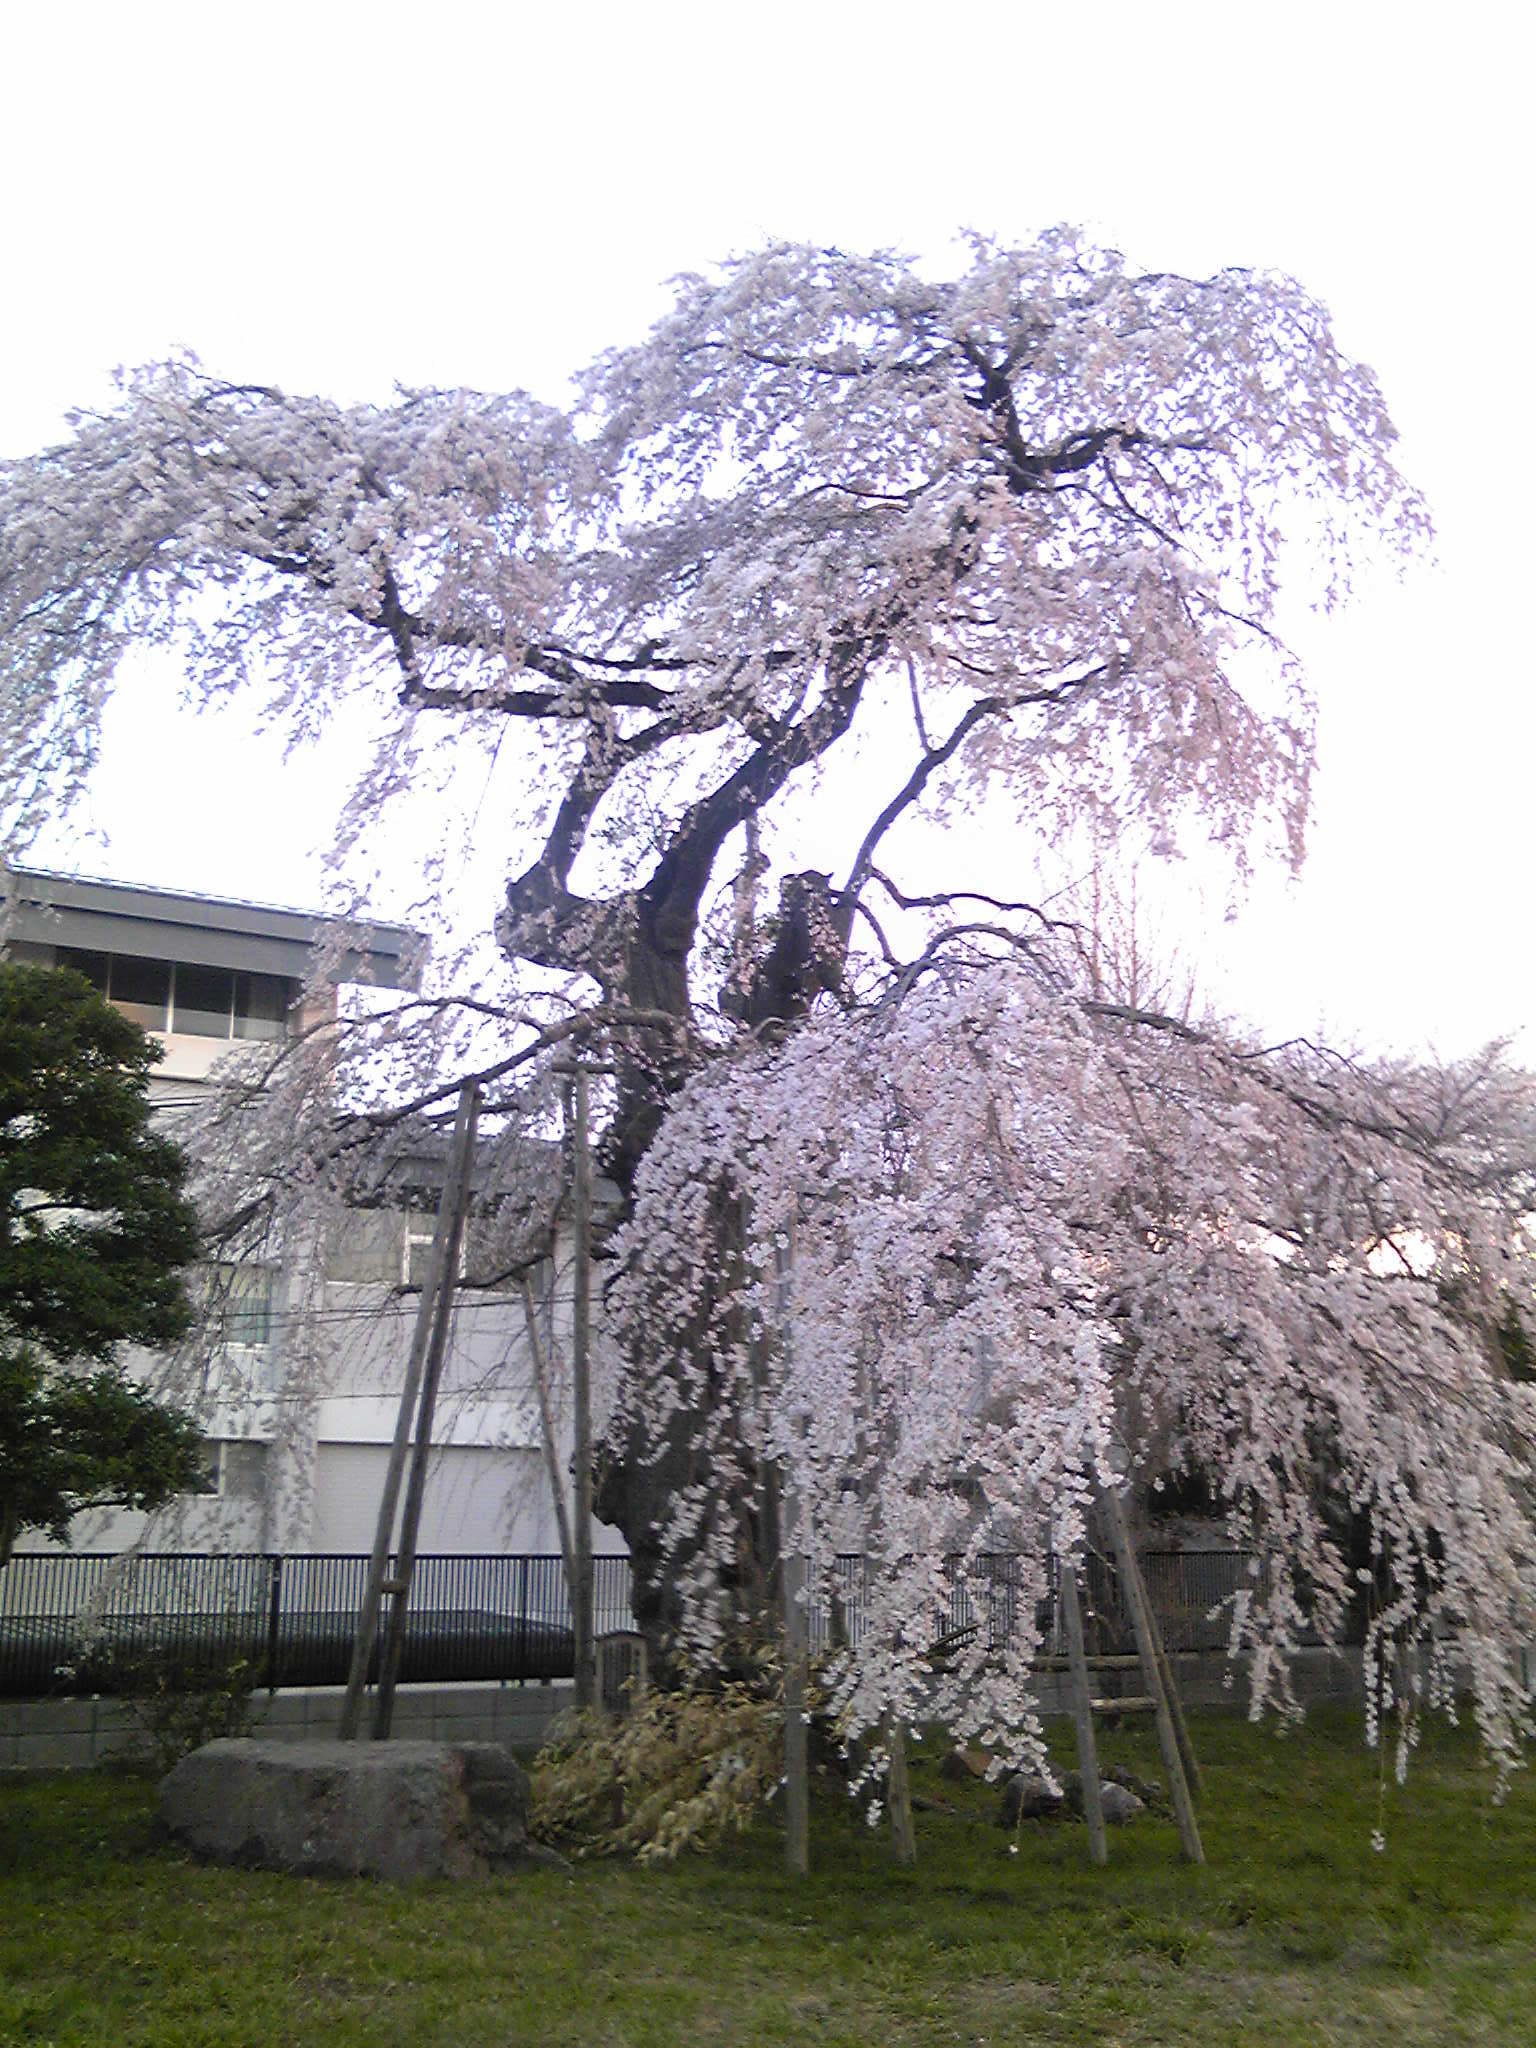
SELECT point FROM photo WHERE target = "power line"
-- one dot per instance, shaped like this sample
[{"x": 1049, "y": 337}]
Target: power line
[{"x": 392, "y": 1311}]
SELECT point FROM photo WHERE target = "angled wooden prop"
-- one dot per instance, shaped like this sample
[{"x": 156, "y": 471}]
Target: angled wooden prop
[
  {"x": 439, "y": 1266},
  {"x": 1153, "y": 1671}
]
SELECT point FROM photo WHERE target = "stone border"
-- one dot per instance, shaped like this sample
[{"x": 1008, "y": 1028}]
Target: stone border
[{"x": 76, "y": 1734}]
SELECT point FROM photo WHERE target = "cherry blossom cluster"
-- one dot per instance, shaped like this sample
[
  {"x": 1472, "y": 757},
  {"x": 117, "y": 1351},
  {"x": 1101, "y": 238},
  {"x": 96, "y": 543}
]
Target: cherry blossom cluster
[{"x": 929, "y": 1275}]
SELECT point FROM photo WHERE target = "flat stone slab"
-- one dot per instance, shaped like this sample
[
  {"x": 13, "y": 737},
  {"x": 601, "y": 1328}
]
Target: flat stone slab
[{"x": 397, "y": 1810}]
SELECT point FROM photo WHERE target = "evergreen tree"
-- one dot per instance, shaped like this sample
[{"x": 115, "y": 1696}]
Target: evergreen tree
[{"x": 94, "y": 1233}]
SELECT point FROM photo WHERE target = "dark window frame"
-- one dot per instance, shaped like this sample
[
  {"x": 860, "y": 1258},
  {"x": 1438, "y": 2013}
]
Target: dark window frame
[{"x": 255, "y": 1010}]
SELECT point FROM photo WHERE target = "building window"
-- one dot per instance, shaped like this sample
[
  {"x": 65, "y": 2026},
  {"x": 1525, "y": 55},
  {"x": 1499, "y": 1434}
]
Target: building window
[
  {"x": 261, "y": 1006},
  {"x": 183, "y": 996},
  {"x": 210, "y": 1478},
  {"x": 203, "y": 1000},
  {"x": 386, "y": 1248},
  {"x": 141, "y": 989},
  {"x": 240, "y": 1306},
  {"x": 420, "y": 1230}
]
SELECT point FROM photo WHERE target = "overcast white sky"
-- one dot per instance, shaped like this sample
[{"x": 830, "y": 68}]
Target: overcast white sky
[{"x": 341, "y": 196}]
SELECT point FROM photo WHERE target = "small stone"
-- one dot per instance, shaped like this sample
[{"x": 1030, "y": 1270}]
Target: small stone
[
  {"x": 1027, "y": 1797},
  {"x": 1117, "y": 1801},
  {"x": 1148, "y": 1790},
  {"x": 1119, "y": 1804},
  {"x": 961, "y": 1764}
]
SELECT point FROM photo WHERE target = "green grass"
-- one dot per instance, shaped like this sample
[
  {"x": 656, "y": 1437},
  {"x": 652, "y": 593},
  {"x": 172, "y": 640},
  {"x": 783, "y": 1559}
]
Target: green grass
[{"x": 1294, "y": 1932}]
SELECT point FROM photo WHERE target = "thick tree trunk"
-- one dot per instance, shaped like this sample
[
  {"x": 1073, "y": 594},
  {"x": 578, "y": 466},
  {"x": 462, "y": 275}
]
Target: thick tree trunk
[
  {"x": 637, "y": 1479},
  {"x": 633, "y": 1490}
]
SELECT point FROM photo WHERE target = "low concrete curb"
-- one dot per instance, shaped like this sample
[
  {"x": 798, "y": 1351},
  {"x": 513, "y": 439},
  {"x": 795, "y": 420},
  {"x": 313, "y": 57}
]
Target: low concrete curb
[{"x": 74, "y": 1734}]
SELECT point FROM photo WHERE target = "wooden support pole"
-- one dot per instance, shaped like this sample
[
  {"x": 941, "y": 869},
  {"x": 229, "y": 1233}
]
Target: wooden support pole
[
  {"x": 898, "y": 1792},
  {"x": 421, "y": 1451},
  {"x": 1131, "y": 1663},
  {"x": 421, "y": 1336},
  {"x": 1082, "y": 1715},
  {"x": 1191, "y": 1762},
  {"x": 581, "y": 1398},
  {"x": 548, "y": 1435},
  {"x": 797, "y": 1779},
  {"x": 792, "y": 1587},
  {"x": 1146, "y": 1643}
]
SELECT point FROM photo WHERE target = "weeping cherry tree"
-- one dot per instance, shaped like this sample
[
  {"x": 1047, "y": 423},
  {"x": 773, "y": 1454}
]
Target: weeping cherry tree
[{"x": 920, "y": 1224}]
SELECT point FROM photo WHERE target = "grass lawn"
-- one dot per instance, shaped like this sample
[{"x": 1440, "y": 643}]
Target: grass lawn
[{"x": 1295, "y": 1932}]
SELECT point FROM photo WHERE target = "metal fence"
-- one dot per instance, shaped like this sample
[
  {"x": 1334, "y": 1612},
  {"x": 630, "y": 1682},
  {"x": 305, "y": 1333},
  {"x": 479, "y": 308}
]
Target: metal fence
[
  {"x": 74, "y": 1622},
  {"x": 1191, "y": 1592}
]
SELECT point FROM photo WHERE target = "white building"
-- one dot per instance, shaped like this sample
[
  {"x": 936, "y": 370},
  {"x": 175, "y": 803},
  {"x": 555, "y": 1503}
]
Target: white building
[{"x": 306, "y": 1360}]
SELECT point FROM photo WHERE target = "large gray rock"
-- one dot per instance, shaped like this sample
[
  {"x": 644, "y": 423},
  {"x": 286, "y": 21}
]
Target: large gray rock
[
  {"x": 1027, "y": 1797},
  {"x": 398, "y": 1810}
]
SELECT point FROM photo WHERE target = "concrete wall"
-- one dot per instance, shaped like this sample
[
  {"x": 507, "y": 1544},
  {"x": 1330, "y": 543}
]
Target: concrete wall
[
  {"x": 74, "y": 1734},
  {"x": 1205, "y": 1679}
]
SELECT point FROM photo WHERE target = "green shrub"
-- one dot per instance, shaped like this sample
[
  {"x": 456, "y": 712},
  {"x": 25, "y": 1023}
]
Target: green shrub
[
  {"x": 679, "y": 1771},
  {"x": 178, "y": 1700}
]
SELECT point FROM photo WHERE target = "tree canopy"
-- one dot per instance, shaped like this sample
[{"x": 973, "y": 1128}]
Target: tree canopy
[
  {"x": 95, "y": 1231},
  {"x": 923, "y": 1222},
  {"x": 1022, "y": 527}
]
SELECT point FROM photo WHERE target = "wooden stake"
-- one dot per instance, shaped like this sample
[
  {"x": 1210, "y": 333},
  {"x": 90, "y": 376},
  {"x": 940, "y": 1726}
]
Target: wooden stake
[
  {"x": 1187, "y": 1755},
  {"x": 899, "y": 1792},
  {"x": 421, "y": 1450},
  {"x": 547, "y": 1434},
  {"x": 792, "y": 1576},
  {"x": 797, "y": 1783},
  {"x": 1146, "y": 1643},
  {"x": 378, "y": 1563},
  {"x": 1082, "y": 1715},
  {"x": 581, "y": 1400}
]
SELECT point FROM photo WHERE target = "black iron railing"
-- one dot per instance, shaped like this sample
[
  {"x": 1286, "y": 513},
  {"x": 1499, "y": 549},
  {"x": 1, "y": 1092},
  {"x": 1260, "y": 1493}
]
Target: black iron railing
[
  {"x": 1000, "y": 1593},
  {"x": 73, "y": 1622}
]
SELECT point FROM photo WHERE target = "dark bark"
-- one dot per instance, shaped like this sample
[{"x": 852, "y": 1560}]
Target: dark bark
[{"x": 803, "y": 954}]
